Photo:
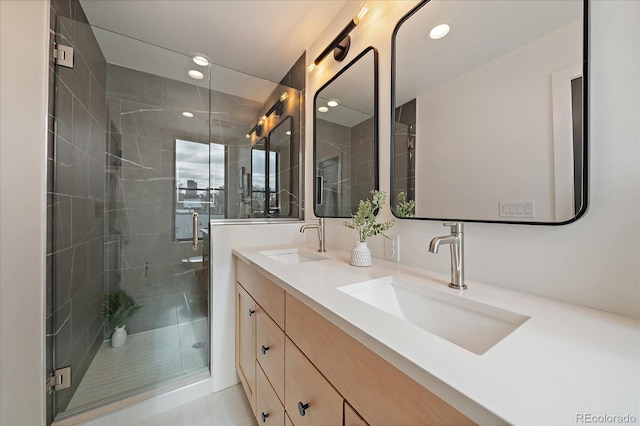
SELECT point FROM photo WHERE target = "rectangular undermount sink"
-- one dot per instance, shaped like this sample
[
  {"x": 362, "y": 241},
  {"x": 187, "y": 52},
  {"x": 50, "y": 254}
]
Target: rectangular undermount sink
[
  {"x": 469, "y": 324},
  {"x": 292, "y": 256}
]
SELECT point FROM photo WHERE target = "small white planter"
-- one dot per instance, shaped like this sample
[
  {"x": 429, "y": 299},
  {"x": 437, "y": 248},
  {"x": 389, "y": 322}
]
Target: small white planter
[
  {"x": 119, "y": 336},
  {"x": 361, "y": 255}
]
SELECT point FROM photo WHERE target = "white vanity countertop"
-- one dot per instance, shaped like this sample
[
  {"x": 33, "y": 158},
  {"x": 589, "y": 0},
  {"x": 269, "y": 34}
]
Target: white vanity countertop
[{"x": 561, "y": 366}]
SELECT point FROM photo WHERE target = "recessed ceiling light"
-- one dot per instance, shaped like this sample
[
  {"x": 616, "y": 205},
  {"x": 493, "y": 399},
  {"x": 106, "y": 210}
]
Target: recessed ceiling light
[
  {"x": 200, "y": 60},
  {"x": 188, "y": 114},
  {"x": 196, "y": 75},
  {"x": 323, "y": 109},
  {"x": 439, "y": 31},
  {"x": 288, "y": 133},
  {"x": 332, "y": 103}
]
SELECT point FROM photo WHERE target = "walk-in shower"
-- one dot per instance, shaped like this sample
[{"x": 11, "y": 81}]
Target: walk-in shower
[{"x": 137, "y": 147}]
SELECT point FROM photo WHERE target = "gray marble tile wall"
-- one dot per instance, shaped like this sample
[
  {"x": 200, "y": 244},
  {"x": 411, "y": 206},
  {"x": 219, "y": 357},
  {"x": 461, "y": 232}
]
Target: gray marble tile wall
[
  {"x": 295, "y": 79},
  {"x": 363, "y": 166},
  {"x": 404, "y": 149},
  {"x": 143, "y": 256},
  {"x": 145, "y": 113},
  {"x": 293, "y": 83},
  {"x": 333, "y": 141},
  {"x": 354, "y": 149},
  {"x": 75, "y": 211}
]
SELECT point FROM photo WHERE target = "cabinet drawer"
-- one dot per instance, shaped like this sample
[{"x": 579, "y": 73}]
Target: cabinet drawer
[
  {"x": 309, "y": 397},
  {"x": 351, "y": 418},
  {"x": 246, "y": 343},
  {"x": 380, "y": 392},
  {"x": 269, "y": 409},
  {"x": 266, "y": 293},
  {"x": 270, "y": 351}
]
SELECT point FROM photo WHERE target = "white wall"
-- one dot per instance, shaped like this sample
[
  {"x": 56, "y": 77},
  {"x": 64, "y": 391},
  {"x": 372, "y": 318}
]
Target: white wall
[
  {"x": 24, "y": 38},
  {"x": 593, "y": 262},
  {"x": 223, "y": 278},
  {"x": 492, "y": 164}
]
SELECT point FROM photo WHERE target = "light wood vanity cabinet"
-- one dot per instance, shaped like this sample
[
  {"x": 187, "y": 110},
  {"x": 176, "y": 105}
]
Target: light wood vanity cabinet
[
  {"x": 351, "y": 418},
  {"x": 309, "y": 397},
  {"x": 314, "y": 368},
  {"x": 269, "y": 295},
  {"x": 269, "y": 409},
  {"x": 270, "y": 351},
  {"x": 246, "y": 343},
  {"x": 260, "y": 343}
]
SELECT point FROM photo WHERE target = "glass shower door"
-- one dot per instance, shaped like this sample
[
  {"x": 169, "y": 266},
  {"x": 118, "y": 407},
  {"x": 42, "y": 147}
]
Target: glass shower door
[{"x": 123, "y": 194}]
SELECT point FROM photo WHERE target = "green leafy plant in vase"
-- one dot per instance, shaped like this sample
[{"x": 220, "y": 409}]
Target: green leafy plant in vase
[
  {"x": 117, "y": 308},
  {"x": 366, "y": 223}
]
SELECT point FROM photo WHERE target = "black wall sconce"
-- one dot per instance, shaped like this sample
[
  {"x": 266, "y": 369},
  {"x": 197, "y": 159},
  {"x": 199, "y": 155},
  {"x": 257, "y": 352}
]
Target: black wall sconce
[
  {"x": 278, "y": 108},
  {"x": 340, "y": 45}
]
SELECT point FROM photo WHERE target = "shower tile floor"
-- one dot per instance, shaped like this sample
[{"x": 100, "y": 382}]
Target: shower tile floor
[{"x": 148, "y": 358}]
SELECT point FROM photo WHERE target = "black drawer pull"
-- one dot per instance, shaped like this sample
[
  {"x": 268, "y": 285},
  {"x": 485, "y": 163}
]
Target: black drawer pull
[
  {"x": 251, "y": 312},
  {"x": 264, "y": 349},
  {"x": 264, "y": 416},
  {"x": 302, "y": 408}
]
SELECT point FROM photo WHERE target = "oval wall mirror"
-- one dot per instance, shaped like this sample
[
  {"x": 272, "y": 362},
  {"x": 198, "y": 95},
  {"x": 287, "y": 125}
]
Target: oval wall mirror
[
  {"x": 345, "y": 137},
  {"x": 490, "y": 119}
]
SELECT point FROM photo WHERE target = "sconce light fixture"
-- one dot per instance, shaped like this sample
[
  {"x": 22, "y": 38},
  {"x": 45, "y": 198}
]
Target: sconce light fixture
[
  {"x": 340, "y": 45},
  {"x": 278, "y": 108}
]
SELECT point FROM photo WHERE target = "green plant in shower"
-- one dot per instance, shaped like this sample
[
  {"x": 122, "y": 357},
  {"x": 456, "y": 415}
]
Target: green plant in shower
[
  {"x": 365, "y": 220},
  {"x": 404, "y": 207},
  {"x": 118, "y": 307}
]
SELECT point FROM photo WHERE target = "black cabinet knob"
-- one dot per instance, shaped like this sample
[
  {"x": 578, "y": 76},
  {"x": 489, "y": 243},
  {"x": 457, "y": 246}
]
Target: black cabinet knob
[
  {"x": 251, "y": 312},
  {"x": 264, "y": 349},
  {"x": 264, "y": 416},
  {"x": 302, "y": 408}
]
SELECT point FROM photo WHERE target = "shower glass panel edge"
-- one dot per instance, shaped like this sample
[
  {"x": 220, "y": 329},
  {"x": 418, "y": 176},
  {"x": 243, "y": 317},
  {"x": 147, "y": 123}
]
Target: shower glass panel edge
[{"x": 115, "y": 204}]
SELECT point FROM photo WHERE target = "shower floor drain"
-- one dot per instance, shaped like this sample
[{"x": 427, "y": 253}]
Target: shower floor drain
[{"x": 199, "y": 345}]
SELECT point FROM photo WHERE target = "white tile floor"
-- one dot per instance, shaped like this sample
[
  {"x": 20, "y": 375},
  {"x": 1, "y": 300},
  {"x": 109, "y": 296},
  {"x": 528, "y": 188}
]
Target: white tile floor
[
  {"x": 228, "y": 407},
  {"x": 148, "y": 358}
]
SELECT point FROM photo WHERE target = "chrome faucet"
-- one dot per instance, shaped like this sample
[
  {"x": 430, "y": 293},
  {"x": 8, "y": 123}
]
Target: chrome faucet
[
  {"x": 456, "y": 241},
  {"x": 320, "y": 227}
]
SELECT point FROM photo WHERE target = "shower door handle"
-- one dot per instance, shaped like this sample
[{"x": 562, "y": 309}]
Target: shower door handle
[{"x": 195, "y": 231}]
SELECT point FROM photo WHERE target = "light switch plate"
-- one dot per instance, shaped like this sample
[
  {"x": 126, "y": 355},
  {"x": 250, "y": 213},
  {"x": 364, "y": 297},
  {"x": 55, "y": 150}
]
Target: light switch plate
[{"x": 520, "y": 209}]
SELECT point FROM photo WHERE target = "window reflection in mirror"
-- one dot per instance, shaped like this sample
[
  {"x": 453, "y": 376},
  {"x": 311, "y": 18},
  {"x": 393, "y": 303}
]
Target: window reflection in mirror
[
  {"x": 274, "y": 174},
  {"x": 283, "y": 170},
  {"x": 259, "y": 181},
  {"x": 345, "y": 138},
  {"x": 487, "y": 126}
]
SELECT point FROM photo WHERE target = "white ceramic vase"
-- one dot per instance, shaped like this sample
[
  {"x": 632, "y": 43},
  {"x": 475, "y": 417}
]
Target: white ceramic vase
[
  {"x": 361, "y": 255},
  {"x": 119, "y": 336}
]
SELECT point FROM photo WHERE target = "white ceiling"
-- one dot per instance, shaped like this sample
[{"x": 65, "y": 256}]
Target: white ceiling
[
  {"x": 480, "y": 32},
  {"x": 263, "y": 38}
]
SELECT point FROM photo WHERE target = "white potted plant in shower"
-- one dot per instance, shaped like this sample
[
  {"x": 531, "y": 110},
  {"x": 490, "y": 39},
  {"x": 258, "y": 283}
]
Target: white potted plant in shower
[
  {"x": 118, "y": 307},
  {"x": 366, "y": 223}
]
